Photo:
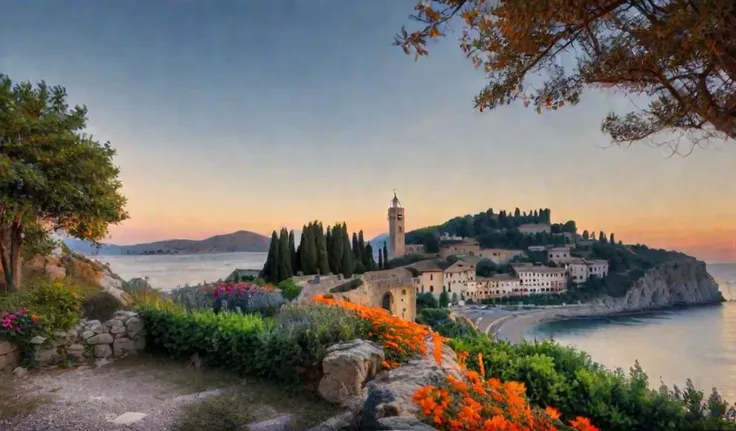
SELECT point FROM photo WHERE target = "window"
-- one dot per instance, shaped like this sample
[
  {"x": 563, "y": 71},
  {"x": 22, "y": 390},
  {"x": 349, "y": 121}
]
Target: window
[
  {"x": 431, "y": 288},
  {"x": 431, "y": 276}
]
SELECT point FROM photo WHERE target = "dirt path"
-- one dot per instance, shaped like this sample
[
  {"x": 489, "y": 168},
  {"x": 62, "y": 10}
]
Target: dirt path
[{"x": 171, "y": 395}]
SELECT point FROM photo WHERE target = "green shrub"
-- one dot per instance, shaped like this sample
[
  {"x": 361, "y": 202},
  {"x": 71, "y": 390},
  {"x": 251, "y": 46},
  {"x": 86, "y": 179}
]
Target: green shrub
[
  {"x": 101, "y": 306},
  {"x": 426, "y": 300},
  {"x": 289, "y": 289},
  {"x": 57, "y": 303},
  {"x": 287, "y": 348},
  {"x": 569, "y": 380}
]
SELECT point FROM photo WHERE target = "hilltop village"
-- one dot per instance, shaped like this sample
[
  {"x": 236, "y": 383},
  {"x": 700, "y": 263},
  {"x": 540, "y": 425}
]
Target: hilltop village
[{"x": 455, "y": 266}]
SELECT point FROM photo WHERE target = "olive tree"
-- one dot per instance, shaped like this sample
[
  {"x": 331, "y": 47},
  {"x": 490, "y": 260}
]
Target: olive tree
[{"x": 53, "y": 176}]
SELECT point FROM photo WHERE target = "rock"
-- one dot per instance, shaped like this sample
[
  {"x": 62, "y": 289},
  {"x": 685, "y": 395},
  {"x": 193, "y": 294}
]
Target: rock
[
  {"x": 336, "y": 423},
  {"x": 403, "y": 423},
  {"x": 128, "y": 418},
  {"x": 95, "y": 326},
  {"x": 123, "y": 346},
  {"x": 103, "y": 338},
  {"x": 19, "y": 372},
  {"x": 102, "y": 351},
  {"x": 117, "y": 330},
  {"x": 123, "y": 315},
  {"x": 135, "y": 326},
  {"x": 281, "y": 423},
  {"x": 347, "y": 367},
  {"x": 140, "y": 344},
  {"x": 87, "y": 334},
  {"x": 76, "y": 351},
  {"x": 60, "y": 334},
  {"x": 38, "y": 340},
  {"x": 99, "y": 363},
  {"x": 390, "y": 393},
  {"x": 45, "y": 355}
]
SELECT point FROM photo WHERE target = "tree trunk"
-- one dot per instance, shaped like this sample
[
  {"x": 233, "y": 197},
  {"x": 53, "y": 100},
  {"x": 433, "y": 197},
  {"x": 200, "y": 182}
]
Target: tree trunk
[{"x": 16, "y": 259}]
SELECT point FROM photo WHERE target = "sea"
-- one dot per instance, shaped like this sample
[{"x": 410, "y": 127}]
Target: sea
[
  {"x": 671, "y": 346},
  {"x": 697, "y": 342},
  {"x": 166, "y": 272}
]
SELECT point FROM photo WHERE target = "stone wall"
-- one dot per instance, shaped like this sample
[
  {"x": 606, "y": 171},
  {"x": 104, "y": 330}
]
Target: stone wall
[{"x": 89, "y": 340}]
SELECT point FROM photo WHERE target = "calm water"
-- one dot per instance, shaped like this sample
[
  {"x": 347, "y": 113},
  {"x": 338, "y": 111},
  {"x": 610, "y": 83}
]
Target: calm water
[
  {"x": 699, "y": 343},
  {"x": 167, "y": 272}
]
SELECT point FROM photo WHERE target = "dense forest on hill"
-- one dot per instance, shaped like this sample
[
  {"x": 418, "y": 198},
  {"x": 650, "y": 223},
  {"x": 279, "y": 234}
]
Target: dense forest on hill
[{"x": 497, "y": 230}]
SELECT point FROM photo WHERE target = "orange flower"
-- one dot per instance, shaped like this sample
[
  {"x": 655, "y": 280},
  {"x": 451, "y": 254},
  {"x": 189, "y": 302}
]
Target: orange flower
[
  {"x": 552, "y": 412},
  {"x": 480, "y": 364},
  {"x": 583, "y": 424},
  {"x": 34, "y": 318}
]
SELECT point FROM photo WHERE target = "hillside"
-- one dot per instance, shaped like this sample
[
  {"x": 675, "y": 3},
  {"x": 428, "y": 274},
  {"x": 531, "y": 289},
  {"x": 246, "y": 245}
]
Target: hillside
[{"x": 237, "y": 241}]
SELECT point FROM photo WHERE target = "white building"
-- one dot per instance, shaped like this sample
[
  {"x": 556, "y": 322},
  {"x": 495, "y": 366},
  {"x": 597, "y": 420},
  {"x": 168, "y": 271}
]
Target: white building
[
  {"x": 558, "y": 254},
  {"x": 435, "y": 277},
  {"x": 579, "y": 270},
  {"x": 536, "y": 279}
]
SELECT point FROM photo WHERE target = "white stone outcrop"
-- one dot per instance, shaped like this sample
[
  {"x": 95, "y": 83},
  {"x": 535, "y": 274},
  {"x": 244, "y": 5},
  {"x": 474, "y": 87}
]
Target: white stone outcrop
[
  {"x": 684, "y": 282},
  {"x": 347, "y": 368},
  {"x": 381, "y": 401}
]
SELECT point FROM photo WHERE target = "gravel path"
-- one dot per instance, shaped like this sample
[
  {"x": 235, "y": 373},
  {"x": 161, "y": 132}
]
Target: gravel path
[{"x": 89, "y": 398}]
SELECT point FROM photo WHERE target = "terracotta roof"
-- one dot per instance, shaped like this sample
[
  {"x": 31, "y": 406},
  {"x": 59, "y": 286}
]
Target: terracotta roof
[{"x": 460, "y": 266}]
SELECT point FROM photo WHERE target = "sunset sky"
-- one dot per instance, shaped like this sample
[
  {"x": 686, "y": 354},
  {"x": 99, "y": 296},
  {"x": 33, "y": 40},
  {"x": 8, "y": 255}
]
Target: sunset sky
[{"x": 253, "y": 115}]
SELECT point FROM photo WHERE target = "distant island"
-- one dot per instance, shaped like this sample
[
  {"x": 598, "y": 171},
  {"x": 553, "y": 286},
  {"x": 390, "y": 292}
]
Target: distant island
[{"x": 240, "y": 241}]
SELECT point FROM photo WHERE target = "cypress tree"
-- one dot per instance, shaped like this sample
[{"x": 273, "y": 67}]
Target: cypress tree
[
  {"x": 347, "y": 265},
  {"x": 602, "y": 237},
  {"x": 292, "y": 253},
  {"x": 300, "y": 249},
  {"x": 309, "y": 252},
  {"x": 370, "y": 263},
  {"x": 362, "y": 251},
  {"x": 612, "y": 240},
  {"x": 385, "y": 256},
  {"x": 284, "y": 256},
  {"x": 380, "y": 261},
  {"x": 335, "y": 251},
  {"x": 355, "y": 247},
  {"x": 270, "y": 270},
  {"x": 322, "y": 259}
]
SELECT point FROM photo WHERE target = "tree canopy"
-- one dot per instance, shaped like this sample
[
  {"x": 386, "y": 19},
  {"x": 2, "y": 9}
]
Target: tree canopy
[
  {"x": 681, "y": 54},
  {"x": 52, "y": 175}
]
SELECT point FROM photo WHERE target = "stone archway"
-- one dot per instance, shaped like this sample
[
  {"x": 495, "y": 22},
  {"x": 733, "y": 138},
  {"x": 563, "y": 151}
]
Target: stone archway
[{"x": 387, "y": 300}]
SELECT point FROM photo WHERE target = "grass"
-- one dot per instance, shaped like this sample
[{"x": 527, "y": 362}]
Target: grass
[
  {"x": 242, "y": 401},
  {"x": 15, "y": 403}
]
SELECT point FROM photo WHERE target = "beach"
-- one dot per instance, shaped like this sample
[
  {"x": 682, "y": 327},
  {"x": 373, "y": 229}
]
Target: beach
[{"x": 507, "y": 325}]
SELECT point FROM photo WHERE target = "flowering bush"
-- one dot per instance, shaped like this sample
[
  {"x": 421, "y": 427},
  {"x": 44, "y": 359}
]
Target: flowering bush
[
  {"x": 20, "y": 327},
  {"x": 232, "y": 291},
  {"x": 18, "y": 322},
  {"x": 401, "y": 339},
  {"x": 475, "y": 403}
]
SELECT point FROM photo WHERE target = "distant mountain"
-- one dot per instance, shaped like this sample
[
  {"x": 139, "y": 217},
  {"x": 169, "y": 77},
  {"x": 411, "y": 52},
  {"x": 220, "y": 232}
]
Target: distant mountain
[
  {"x": 237, "y": 241},
  {"x": 377, "y": 243}
]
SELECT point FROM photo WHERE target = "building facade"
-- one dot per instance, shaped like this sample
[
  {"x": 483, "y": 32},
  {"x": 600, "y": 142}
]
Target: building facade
[
  {"x": 499, "y": 256},
  {"x": 396, "y": 228},
  {"x": 436, "y": 276},
  {"x": 536, "y": 279},
  {"x": 465, "y": 246}
]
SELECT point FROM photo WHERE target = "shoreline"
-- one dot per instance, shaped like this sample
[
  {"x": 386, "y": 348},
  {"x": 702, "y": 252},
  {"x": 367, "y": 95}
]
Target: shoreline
[{"x": 513, "y": 328}]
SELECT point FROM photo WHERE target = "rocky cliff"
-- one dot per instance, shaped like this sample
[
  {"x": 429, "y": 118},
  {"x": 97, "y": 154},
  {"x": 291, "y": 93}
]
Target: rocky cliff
[{"x": 682, "y": 282}]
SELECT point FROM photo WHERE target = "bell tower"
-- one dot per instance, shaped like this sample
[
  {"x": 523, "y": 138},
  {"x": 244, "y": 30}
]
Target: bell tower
[{"x": 397, "y": 241}]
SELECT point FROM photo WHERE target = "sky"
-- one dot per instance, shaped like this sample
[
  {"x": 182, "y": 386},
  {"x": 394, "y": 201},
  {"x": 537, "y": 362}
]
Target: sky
[{"x": 254, "y": 115}]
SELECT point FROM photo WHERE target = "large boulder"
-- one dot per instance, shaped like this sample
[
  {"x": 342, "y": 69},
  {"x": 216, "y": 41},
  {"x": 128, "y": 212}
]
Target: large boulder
[
  {"x": 347, "y": 368},
  {"x": 389, "y": 403}
]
